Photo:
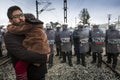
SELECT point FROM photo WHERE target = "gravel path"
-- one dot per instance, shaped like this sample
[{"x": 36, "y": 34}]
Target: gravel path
[{"x": 62, "y": 71}]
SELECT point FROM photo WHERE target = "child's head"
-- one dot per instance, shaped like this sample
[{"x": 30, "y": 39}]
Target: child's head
[{"x": 29, "y": 16}]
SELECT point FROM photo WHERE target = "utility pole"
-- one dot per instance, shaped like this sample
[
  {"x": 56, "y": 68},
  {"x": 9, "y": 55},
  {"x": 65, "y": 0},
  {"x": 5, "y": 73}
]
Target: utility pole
[
  {"x": 65, "y": 11},
  {"x": 37, "y": 10},
  {"x": 75, "y": 20},
  {"x": 109, "y": 18},
  {"x": 118, "y": 21},
  {"x": 43, "y": 9}
]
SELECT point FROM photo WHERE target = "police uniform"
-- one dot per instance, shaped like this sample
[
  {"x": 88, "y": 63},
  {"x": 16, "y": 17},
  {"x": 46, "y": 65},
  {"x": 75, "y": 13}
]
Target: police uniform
[
  {"x": 66, "y": 46},
  {"x": 76, "y": 43},
  {"x": 112, "y": 43},
  {"x": 97, "y": 38},
  {"x": 86, "y": 26},
  {"x": 57, "y": 41},
  {"x": 83, "y": 44},
  {"x": 51, "y": 39}
]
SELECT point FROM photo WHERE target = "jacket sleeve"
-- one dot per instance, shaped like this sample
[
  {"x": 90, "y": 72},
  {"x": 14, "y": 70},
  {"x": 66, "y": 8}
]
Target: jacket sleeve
[{"x": 15, "y": 48}]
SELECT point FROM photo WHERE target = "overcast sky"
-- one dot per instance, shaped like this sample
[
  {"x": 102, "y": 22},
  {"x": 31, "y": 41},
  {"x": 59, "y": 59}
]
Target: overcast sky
[{"x": 98, "y": 10}]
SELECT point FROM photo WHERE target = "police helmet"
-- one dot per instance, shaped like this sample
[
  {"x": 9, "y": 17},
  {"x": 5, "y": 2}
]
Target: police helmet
[
  {"x": 112, "y": 26},
  {"x": 48, "y": 25},
  {"x": 95, "y": 26},
  {"x": 80, "y": 25},
  {"x": 64, "y": 24},
  {"x": 86, "y": 25},
  {"x": 58, "y": 26}
]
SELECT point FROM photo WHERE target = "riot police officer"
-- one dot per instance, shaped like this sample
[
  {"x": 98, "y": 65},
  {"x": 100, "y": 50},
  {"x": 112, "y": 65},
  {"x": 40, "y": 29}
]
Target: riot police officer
[
  {"x": 57, "y": 40},
  {"x": 112, "y": 43},
  {"x": 87, "y": 27},
  {"x": 83, "y": 43},
  {"x": 76, "y": 44},
  {"x": 66, "y": 46},
  {"x": 109, "y": 29},
  {"x": 51, "y": 39},
  {"x": 97, "y": 38}
]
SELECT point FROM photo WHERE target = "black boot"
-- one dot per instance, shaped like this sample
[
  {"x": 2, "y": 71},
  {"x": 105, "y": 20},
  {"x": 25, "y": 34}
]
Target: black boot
[
  {"x": 50, "y": 61},
  {"x": 60, "y": 54},
  {"x": 99, "y": 65},
  {"x": 63, "y": 61},
  {"x": 93, "y": 62},
  {"x": 84, "y": 64},
  {"x": 88, "y": 54},
  {"x": 64, "y": 57},
  {"x": 78, "y": 58},
  {"x": 83, "y": 59},
  {"x": 99, "y": 60},
  {"x": 113, "y": 66},
  {"x": 1, "y": 53},
  {"x": 94, "y": 58},
  {"x": 108, "y": 61},
  {"x": 78, "y": 62},
  {"x": 109, "y": 56},
  {"x": 70, "y": 64},
  {"x": 50, "y": 66},
  {"x": 114, "y": 60},
  {"x": 69, "y": 55},
  {"x": 57, "y": 52}
]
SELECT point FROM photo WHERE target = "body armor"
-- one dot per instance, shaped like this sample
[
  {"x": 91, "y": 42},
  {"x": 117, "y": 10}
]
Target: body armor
[
  {"x": 65, "y": 38},
  {"x": 84, "y": 40},
  {"x": 97, "y": 40},
  {"x": 112, "y": 41},
  {"x": 51, "y": 38}
]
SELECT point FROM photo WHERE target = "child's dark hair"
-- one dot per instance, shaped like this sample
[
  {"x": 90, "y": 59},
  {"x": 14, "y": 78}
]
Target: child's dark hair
[{"x": 30, "y": 18}]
